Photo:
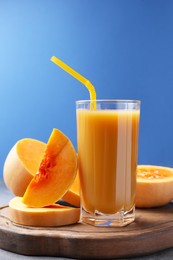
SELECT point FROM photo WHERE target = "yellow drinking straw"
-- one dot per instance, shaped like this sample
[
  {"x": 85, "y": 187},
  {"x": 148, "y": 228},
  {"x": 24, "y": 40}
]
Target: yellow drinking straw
[{"x": 79, "y": 77}]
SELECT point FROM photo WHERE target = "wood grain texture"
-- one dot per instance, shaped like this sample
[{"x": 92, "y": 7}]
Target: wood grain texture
[{"x": 151, "y": 232}]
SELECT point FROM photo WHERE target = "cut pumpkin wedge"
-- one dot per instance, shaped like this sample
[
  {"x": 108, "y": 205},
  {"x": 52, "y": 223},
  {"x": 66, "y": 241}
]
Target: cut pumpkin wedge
[
  {"x": 52, "y": 215},
  {"x": 72, "y": 196},
  {"x": 56, "y": 172},
  {"x": 154, "y": 186}
]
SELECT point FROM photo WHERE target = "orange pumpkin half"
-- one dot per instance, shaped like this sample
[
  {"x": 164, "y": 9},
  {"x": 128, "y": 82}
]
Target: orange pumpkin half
[
  {"x": 21, "y": 164},
  {"x": 154, "y": 186},
  {"x": 56, "y": 172}
]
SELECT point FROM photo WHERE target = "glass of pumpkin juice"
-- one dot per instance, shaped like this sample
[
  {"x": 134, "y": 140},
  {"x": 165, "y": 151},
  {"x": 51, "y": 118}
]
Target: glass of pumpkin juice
[{"x": 107, "y": 137}]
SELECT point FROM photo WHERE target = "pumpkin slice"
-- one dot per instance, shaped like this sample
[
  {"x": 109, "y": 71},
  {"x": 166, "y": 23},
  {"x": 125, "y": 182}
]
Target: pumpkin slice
[
  {"x": 21, "y": 164},
  {"x": 56, "y": 172},
  {"x": 72, "y": 196},
  {"x": 154, "y": 186},
  {"x": 53, "y": 215}
]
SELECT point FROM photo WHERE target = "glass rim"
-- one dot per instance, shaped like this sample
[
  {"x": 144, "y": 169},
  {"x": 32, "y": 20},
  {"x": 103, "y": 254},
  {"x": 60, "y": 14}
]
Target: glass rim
[{"x": 127, "y": 101}]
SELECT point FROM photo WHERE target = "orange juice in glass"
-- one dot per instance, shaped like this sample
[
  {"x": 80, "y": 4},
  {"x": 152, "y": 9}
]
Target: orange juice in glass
[{"x": 107, "y": 138}]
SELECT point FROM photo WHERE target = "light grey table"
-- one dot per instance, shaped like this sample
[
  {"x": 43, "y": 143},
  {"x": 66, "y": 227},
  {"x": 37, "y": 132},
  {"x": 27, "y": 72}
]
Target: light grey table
[{"x": 5, "y": 196}]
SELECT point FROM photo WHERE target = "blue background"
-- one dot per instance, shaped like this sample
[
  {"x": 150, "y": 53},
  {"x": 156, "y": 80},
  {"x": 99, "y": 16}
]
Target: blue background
[{"x": 125, "y": 48}]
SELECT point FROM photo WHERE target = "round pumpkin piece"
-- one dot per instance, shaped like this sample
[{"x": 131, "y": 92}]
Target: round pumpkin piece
[
  {"x": 22, "y": 163},
  {"x": 52, "y": 215},
  {"x": 154, "y": 186}
]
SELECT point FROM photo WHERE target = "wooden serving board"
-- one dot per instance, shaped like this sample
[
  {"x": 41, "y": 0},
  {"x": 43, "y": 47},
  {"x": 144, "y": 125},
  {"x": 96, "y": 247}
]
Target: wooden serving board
[{"x": 152, "y": 231}]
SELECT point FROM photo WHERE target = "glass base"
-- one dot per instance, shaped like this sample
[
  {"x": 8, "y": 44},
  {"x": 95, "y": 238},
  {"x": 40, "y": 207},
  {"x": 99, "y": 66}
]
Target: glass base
[{"x": 119, "y": 219}]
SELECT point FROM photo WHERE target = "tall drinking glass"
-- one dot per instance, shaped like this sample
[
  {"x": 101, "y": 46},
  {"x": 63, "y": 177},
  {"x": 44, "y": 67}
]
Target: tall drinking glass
[{"x": 107, "y": 139}]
